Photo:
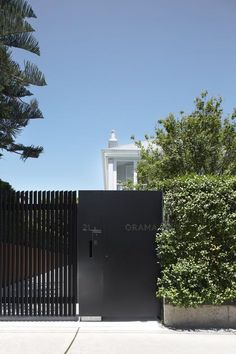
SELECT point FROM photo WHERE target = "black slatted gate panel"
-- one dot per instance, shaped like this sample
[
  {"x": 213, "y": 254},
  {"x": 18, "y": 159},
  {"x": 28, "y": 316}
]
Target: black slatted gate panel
[{"x": 38, "y": 254}]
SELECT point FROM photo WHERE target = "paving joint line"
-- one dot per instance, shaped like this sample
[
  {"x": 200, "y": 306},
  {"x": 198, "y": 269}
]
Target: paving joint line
[{"x": 71, "y": 343}]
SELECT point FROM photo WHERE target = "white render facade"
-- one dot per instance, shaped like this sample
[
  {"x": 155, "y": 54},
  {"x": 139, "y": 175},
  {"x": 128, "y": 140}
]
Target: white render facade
[{"x": 119, "y": 163}]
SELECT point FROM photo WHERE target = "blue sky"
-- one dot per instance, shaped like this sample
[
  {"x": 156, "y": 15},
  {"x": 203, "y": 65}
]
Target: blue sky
[{"x": 118, "y": 65}]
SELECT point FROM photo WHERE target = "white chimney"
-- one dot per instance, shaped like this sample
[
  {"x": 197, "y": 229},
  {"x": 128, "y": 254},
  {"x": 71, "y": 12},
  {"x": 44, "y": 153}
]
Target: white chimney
[{"x": 112, "y": 142}]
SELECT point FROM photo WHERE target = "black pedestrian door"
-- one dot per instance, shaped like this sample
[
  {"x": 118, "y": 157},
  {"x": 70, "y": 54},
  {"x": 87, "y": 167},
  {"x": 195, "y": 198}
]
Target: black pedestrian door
[{"x": 117, "y": 257}]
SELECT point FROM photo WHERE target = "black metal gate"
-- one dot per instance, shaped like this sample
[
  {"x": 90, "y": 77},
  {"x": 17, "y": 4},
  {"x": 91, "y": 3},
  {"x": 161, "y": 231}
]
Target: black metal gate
[
  {"x": 118, "y": 265},
  {"x": 38, "y": 255}
]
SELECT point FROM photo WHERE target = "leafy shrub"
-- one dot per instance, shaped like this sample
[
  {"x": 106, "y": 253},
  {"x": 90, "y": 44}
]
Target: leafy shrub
[
  {"x": 5, "y": 186},
  {"x": 197, "y": 242}
]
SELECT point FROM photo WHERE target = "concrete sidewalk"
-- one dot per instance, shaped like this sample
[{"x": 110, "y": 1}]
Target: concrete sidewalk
[
  {"x": 36, "y": 337},
  {"x": 110, "y": 338}
]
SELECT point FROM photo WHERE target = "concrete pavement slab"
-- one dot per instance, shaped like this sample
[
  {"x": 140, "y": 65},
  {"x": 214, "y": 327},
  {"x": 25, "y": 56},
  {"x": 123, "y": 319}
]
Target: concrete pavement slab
[
  {"x": 110, "y": 338},
  {"x": 36, "y": 337},
  {"x": 149, "y": 338},
  {"x": 122, "y": 326},
  {"x": 151, "y": 343}
]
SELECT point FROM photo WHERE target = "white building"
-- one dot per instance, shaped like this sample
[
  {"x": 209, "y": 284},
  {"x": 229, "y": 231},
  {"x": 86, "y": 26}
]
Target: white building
[{"x": 119, "y": 163}]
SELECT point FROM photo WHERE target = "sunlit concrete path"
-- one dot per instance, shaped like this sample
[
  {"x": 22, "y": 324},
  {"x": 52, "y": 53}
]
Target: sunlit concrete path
[
  {"x": 36, "y": 337},
  {"x": 110, "y": 338},
  {"x": 149, "y": 338}
]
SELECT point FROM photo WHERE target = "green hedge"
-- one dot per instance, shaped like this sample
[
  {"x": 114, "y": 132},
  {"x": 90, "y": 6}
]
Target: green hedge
[
  {"x": 5, "y": 186},
  {"x": 197, "y": 242}
]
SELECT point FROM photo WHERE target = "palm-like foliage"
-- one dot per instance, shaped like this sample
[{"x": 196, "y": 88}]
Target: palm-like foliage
[{"x": 15, "y": 81}]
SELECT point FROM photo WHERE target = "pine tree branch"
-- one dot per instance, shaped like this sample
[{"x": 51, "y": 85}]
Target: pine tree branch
[
  {"x": 24, "y": 41},
  {"x": 18, "y": 6},
  {"x": 15, "y": 114}
]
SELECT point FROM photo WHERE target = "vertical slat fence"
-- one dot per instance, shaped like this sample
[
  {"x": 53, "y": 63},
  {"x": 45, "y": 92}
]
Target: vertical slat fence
[{"x": 38, "y": 254}]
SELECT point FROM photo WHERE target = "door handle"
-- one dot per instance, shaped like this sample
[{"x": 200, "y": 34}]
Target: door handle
[{"x": 90, "y": 248}]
